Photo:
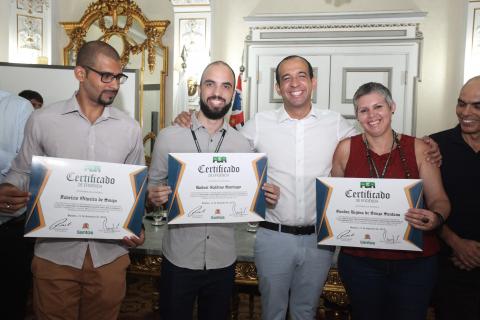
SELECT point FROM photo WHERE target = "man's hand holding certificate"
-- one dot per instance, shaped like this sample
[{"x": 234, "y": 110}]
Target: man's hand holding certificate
[
  {"x": 370, "y": 213},
  {"x": 216, "y": 187},
  {"x": 85, "y": 199}
]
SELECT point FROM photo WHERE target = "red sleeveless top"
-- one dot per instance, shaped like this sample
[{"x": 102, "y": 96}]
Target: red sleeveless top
[{"x": 357, "y": 167}]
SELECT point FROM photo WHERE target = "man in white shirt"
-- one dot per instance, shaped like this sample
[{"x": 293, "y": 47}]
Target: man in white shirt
[
  {"x": 300, "y": 141},
  {"x": 14, "y": 113}
]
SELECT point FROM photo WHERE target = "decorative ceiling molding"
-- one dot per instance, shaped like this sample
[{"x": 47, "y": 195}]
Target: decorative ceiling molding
[{"x": 332, "y": 26}]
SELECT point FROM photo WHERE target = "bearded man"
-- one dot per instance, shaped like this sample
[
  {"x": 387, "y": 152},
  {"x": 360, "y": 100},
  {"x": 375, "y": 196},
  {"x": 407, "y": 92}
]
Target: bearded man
[{"x": 199, "y": 260}]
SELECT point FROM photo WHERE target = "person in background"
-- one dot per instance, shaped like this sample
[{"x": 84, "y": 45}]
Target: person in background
[
  {"x": 79, "y": 278},
  {"x": 34, "y": 97},
  {"x": 15, "y": 250},
  {"x": 390, "y": 284},
  {"x": 458, "y": 287},
  {"x": 199, "y": 260}
]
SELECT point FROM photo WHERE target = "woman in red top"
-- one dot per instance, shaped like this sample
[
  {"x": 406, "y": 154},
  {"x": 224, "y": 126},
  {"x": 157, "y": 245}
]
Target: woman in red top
[{"x": 390, "y": 284}]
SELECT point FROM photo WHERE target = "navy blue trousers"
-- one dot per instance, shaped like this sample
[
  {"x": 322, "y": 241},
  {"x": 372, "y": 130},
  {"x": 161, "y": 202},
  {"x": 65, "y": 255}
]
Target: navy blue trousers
[
  {"x": 388, "y": 289},
  {"x": 179, "y": 287}
]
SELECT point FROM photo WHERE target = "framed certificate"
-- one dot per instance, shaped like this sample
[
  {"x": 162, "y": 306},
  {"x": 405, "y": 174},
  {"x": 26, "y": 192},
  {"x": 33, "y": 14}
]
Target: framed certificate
[
  {"x": 216, "y": 187},
  {"x": 85, "y": 199},
  {"x": 369, "y": 213}
]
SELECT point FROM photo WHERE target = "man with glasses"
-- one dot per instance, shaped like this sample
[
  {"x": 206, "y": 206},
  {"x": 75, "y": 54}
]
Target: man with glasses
[{"x": 79, "y": 279}]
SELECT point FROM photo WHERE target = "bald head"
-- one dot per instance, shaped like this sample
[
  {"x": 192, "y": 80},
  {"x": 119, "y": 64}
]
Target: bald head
[
  {"x": 468, "y": 107},
  {"x": 474, "y": 79},
  {"x": 217, "y": 63},
  {"x": 471, "y": 87},
  {"x": 89, "y": 51}
]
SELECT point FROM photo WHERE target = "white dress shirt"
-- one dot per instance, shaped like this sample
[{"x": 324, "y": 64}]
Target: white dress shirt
[
  {"x": 298, "y": 151},
  {"x": 14, "y": 113}
]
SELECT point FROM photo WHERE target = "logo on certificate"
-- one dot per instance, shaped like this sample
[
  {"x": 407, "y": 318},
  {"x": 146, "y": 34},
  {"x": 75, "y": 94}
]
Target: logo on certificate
[
  {"x": 92, "y": 168},
  {"x": 85, "y": 229},
  {"x": 367, "y": 184},
  {"x": 219, "y": 159}
]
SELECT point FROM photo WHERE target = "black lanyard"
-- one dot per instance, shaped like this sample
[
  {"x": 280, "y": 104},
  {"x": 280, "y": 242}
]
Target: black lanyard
[{"x": 218, "y": 145}]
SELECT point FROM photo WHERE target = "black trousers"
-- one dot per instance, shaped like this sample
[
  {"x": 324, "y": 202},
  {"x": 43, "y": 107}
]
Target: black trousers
[
  {"x": 457, "y": 295},
  {"x": 16, "y": 254},
  {"x": 179, "y": 287}
]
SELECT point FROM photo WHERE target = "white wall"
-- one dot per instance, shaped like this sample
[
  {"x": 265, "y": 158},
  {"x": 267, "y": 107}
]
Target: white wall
[
  {"x": 4, "y": 20},
  {"x": 443, "y": 51}
]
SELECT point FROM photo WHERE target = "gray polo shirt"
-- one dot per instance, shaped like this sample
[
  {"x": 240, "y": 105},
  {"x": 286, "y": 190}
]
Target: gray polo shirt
[
  {"x": 61, "y": 130},
  {"x": 210, "y": 246}
]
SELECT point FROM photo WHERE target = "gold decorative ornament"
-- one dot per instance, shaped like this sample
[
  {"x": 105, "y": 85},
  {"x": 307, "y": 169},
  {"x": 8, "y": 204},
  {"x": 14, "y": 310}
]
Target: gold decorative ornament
[
  {"x": 192, "y": 87},
  {"x": 245, "y": 276}
]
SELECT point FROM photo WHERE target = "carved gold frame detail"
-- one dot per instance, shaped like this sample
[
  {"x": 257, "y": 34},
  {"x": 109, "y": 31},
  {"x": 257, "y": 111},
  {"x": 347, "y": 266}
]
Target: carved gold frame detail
[
  {"x": 113, "y": 9},
  {"x": 245, "y": 275}
]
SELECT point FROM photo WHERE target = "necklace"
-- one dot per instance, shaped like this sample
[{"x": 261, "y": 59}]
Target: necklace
[
  {"x": 371, "y": 164},
  {"x": 403, "y": 160}
]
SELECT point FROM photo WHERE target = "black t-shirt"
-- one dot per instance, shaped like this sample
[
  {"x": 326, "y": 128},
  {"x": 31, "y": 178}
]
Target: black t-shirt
[{"x": 461, "y": 179}]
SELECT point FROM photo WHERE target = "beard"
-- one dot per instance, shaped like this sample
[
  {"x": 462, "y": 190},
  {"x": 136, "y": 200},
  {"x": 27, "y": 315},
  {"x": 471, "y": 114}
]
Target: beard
[
  {"x": 214, "y": 114},
  {"x": 109, "y": 99}
]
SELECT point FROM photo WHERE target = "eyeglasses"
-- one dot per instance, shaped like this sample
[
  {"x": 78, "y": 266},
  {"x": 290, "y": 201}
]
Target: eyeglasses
[{"x": 108, "y": 77}]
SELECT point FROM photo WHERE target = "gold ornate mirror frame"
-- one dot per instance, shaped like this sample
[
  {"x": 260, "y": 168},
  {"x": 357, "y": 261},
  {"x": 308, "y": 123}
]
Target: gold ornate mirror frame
[{"x": 115, "y": 18}]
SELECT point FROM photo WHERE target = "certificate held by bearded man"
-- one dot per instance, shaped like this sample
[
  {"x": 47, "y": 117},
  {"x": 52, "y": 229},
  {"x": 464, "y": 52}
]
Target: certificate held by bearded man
[
  {"x": 85, "y": 199},
  {"x": 368, "y": 213},
  {"x": 216, "y": 187}
]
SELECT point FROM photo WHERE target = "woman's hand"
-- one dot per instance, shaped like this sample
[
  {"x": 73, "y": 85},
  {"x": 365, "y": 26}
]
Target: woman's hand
[{"x": 423, "y": 219}]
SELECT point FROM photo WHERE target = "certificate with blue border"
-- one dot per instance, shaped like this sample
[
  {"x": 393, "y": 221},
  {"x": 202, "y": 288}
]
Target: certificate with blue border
[
  {"x": 85, "y": 199},
  {"x": 216, "y": 187},
  {"x": 368, "y": 213}
]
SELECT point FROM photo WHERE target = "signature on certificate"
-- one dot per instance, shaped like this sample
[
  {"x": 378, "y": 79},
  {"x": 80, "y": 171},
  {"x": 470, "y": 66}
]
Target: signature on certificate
[
  {"x": 390, "y": 238},
  {"x": 196, "y": 212},
  {"x": 110, "y": 227},
  {"x": 238, "y": 212},
  {"x": 61, "y": 224},
  {"x": 346, "y": 235}
]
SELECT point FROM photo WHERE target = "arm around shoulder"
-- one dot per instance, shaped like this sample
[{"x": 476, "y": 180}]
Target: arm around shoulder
[
  {"x": 249, "y": 131},
  {"x": 340, "y": 158},
  {"x": 435, "y": 195}
]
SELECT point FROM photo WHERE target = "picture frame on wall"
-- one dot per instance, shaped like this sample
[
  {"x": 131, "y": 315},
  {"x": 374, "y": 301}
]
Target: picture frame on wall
[
  {"x": 29, "y": 32},
  {"x": 472, "y": 44}
]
